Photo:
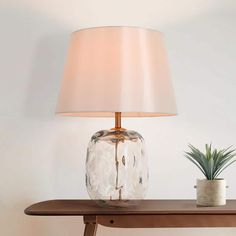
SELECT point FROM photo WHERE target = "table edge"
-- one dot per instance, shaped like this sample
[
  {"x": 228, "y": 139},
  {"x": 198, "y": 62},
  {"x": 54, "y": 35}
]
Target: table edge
[{"x": 28, "y": 211}]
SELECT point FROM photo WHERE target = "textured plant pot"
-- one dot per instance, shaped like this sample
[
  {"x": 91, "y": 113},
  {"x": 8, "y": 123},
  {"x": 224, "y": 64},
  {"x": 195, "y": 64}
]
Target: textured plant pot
[{"x": 211, "y": 192}]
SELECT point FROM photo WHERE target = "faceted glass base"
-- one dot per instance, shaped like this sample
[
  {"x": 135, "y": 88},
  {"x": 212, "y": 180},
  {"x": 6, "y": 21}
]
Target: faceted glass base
[{"x": 116, "y": 168}]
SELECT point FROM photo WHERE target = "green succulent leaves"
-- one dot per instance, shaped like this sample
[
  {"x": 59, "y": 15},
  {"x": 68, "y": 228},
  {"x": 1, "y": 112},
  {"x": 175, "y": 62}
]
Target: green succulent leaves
[{"x": 213, "y": 162}]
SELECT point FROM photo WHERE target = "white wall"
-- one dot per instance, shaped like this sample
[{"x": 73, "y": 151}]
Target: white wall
[{"x": 42, "y": 156}]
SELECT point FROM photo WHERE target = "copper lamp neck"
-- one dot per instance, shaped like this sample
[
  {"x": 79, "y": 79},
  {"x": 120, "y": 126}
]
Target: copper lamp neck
[{"x": 117, "y": 120}]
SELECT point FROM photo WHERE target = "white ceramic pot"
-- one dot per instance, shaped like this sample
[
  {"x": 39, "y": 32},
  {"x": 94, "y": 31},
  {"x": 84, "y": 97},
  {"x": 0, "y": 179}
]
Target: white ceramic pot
[{"x": 211, "y": 192}]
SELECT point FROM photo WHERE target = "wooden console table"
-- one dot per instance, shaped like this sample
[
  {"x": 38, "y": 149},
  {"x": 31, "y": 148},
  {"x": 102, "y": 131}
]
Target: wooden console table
[{"x": 149, "y": 214}]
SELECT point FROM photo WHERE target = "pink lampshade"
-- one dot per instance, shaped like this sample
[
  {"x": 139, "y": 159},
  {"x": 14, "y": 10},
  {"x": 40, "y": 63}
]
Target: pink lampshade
[{"x": 116, "y": 69}]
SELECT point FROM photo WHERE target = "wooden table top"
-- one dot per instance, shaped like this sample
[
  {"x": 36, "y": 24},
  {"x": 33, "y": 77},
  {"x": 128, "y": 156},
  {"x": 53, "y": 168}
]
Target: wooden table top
[{"x": 146, "y": 207}]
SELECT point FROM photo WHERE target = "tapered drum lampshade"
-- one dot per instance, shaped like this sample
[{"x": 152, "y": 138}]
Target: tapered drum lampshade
[{"x": 116, "y": 71}]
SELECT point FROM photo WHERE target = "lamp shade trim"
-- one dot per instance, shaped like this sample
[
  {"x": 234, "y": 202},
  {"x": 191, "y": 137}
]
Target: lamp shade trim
[{"x": 111, "y": 114}]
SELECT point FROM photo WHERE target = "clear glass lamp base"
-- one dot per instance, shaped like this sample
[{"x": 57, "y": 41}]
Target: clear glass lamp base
[{"x": 116, "y": 168}]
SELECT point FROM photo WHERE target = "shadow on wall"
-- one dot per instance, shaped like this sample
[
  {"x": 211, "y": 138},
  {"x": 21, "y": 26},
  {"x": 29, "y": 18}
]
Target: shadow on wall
[
  {"x": 46, "y": 71},
  {"x": 202, "y": 58},
  {"x": 34, "y": 48},
  {"x": 46, "y": 74}
]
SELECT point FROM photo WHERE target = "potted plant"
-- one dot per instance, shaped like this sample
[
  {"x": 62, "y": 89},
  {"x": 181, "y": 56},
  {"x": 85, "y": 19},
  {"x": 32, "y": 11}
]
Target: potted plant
[{"x": 211, "y": 191}]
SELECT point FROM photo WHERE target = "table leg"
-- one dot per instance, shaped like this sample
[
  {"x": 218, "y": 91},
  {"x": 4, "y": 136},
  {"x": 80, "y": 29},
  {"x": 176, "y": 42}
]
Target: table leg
[{"x": 90, "y": 225}]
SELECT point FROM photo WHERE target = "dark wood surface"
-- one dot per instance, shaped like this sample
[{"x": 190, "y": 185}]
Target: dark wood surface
[
  {"x": 146, "y": 207},
  {"x": 148, "y": 214}
]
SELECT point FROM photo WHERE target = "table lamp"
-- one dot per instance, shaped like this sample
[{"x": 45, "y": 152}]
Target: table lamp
[{"x": 116, "y": 72}]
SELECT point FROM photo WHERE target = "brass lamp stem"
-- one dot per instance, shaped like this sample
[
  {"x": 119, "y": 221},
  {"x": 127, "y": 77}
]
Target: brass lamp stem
[{"x": 117, "y": 120}]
